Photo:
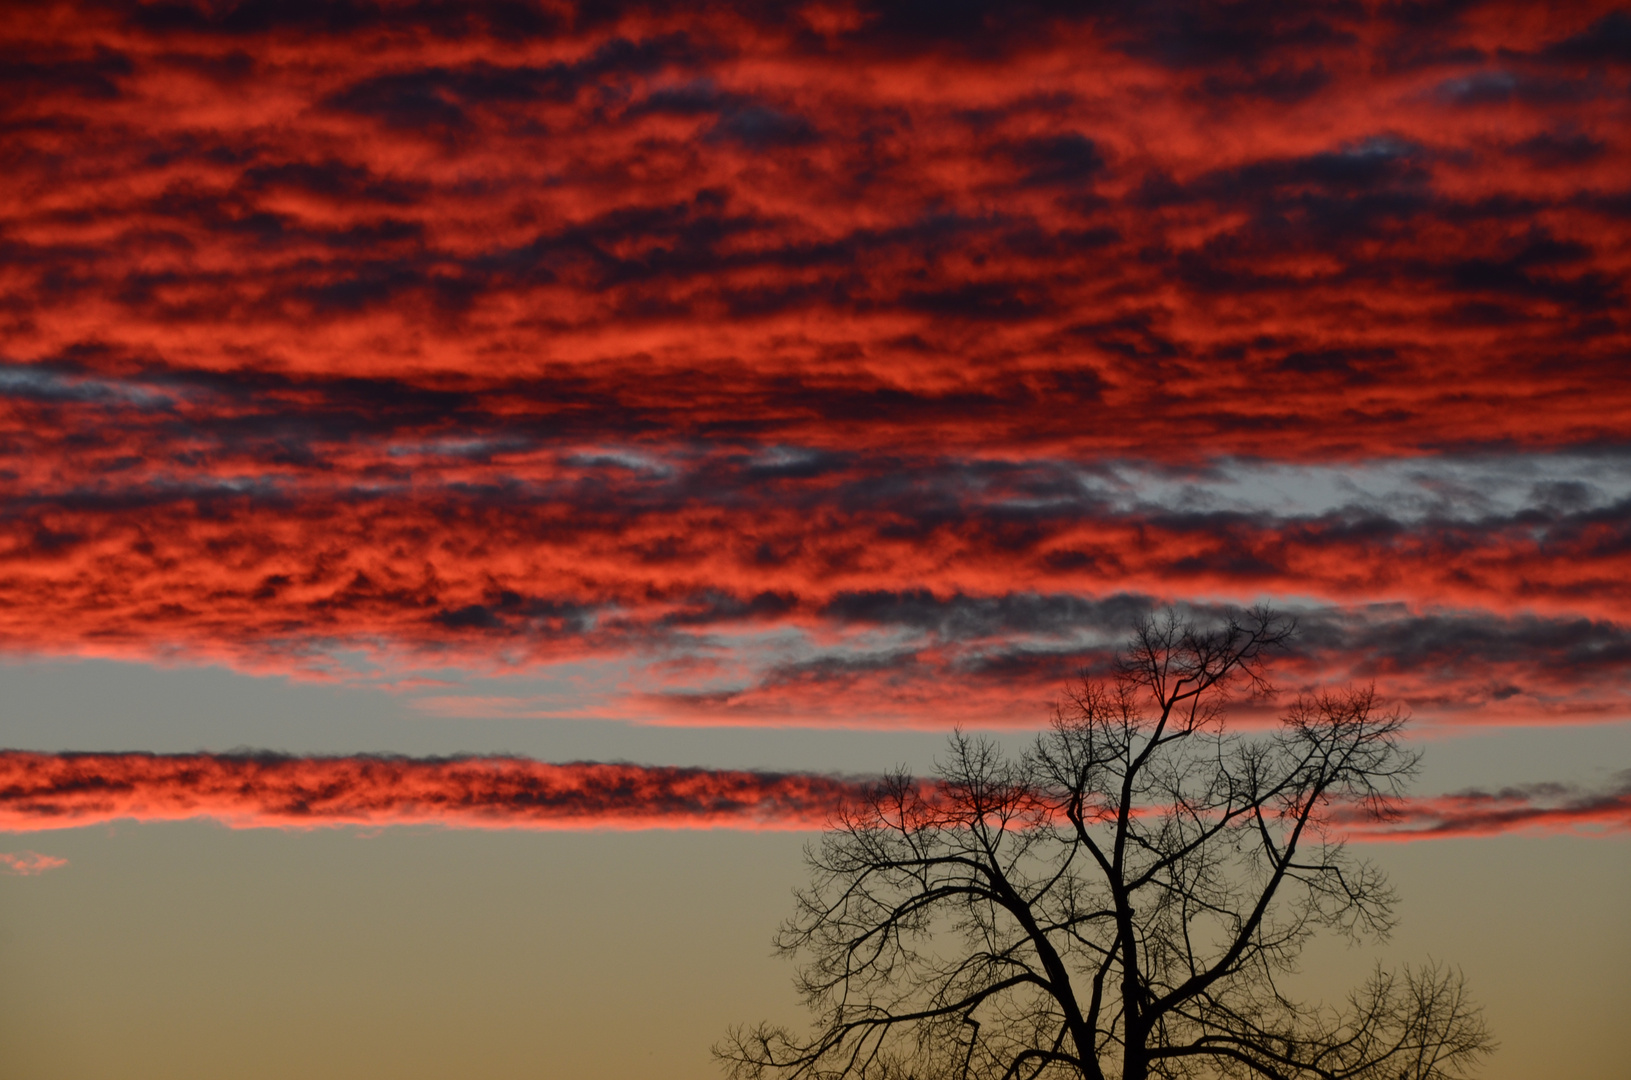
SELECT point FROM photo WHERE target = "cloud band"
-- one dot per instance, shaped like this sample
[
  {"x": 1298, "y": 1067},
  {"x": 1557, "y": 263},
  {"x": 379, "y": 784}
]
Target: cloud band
[{"x": 52, "y": 791}]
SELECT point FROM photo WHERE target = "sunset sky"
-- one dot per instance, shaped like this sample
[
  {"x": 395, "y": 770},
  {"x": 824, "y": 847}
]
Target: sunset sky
[{"x": 481, "y": 481}]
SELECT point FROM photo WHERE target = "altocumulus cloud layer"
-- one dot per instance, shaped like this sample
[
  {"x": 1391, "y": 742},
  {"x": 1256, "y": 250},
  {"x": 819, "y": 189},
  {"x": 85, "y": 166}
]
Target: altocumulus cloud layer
[
  {"x": 869, "y": 364},
  {"x": 44, "y": 791}
]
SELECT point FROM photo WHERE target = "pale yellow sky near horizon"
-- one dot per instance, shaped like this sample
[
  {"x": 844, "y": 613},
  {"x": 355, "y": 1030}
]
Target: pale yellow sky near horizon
[{"x": 193, "y": 952}]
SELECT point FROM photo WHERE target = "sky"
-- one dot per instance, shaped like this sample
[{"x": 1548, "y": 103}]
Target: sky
[{"x": 480, "y": 482}]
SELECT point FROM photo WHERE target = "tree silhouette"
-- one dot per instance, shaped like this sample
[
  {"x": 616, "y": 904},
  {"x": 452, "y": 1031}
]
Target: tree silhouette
[{"x": 1123, "y": 900}]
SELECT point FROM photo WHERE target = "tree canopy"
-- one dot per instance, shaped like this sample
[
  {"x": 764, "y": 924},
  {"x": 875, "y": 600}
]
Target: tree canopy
[{"x": 1124, "y": 900}]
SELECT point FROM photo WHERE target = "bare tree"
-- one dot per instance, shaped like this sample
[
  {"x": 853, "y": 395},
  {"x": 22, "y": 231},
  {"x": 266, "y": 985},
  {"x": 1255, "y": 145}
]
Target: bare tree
[{"x": 1124, "y": 900}]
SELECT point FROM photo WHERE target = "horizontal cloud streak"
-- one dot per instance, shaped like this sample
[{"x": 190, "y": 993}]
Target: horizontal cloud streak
[
  {"x": 44, "y": 791},
  {"x": 1533, "y": 808},
  {"x": 781, "y": 588},
  {"x": 50, "y": 791},
  {"x": 404, "y": 562}
]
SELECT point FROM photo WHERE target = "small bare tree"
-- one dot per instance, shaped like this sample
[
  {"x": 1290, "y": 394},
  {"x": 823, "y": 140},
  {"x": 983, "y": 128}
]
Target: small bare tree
[{"x": 1125, "y": 900}]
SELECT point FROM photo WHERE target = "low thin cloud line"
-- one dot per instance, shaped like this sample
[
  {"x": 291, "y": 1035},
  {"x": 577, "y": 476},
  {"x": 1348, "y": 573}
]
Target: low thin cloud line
[
  {"x": 1532, "y": 808},
  {"x": 41, "y": 791}
]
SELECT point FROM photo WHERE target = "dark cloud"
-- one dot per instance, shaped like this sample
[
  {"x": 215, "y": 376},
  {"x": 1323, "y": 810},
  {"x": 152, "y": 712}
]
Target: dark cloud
[
  {"x": 1209, "y": 35},
  {"x": 248, "y": 18},
  {"x": 1500, "y": 87},
  {"x": 960, "y": 617},
  {"x": 1558, "y": 150},
  {"x": 1606, "y": 41},
  {"x": 1070, "y": 159},
  {"x": 761, "y": 126},
  {"x": 334, "y": 178},
  {"x": 25, "y": 75},
  {"x": 1560, "y": 650},
  {"x": 982, "y": 29},
  {"x": 441, "y": 97}
]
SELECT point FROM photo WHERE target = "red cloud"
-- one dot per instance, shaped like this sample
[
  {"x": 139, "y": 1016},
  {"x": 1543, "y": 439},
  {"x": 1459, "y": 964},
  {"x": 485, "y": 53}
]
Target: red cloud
[
  {"x": 47, "y": 791},
  {"x": 708, "y": 224},
  {"x": 523, "y": 335},
  {"x": 404, "y": 566},
  {"x": 225, "y": 570},
  {"x": 43, "y": 791}
]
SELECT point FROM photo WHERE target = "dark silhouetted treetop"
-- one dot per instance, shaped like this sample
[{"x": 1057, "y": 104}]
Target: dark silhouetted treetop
[{"x": 1126, "y": 899}]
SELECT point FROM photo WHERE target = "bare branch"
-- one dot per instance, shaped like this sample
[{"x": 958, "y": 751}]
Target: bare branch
[{"x": 1125, "y": 899}]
